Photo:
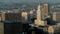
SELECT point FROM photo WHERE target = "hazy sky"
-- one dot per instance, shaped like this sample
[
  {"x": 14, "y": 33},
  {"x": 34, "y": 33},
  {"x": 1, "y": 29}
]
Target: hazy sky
[{"x": 48, "y": 1}]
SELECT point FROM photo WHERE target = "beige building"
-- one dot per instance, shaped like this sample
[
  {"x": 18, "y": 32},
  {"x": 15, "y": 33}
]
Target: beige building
[
  {"x": 54, "y": 29},
  {"x": 54, "y": 16},
  {"x": 45, "y": 9},
  {"x": 38, "y": 21},
  {"x": 24, "y": 14},
  {"x": 31, "y": 11}
]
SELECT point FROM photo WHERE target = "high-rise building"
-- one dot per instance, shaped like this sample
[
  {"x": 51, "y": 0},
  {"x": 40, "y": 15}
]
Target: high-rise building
[
  {"x": 11, "y": 16},
  {"x": 58, "y": 17},
  {"x": 45, "y": 9},
  {"x": 38, "y": 21},
  {"x": 54, "y": 16},
  {"x": 24, "y": 16}
]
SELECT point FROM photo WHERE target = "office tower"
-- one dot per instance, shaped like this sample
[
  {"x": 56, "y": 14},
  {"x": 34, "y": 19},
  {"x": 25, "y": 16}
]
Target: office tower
[
  {"x": 38, "y": 21},
  {"x": 24, "y": 16},
  {"x": 54, "y": 16},
  {"x": 45, "y": 9},
  {"x": 38, "y": 13},
  {"x": 16, "y": 17},
  {"x": 11, "y": 23}
]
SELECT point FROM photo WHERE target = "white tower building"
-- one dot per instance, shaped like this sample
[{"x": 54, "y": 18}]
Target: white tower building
[{"x": 38, "y": 21}]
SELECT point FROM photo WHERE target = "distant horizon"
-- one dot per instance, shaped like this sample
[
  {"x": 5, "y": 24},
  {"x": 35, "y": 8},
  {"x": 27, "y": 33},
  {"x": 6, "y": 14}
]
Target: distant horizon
[{"x": 33, "y": 1}]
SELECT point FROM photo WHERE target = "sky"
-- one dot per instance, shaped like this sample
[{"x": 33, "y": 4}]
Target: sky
[{"x": 46, "y": 1}]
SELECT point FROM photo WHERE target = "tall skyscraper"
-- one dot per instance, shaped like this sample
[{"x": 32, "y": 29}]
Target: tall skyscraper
[
  {"x": 38, "y": 21},
  {"x": 38, "y": 13},
  {"x": 45, "y": 9}
]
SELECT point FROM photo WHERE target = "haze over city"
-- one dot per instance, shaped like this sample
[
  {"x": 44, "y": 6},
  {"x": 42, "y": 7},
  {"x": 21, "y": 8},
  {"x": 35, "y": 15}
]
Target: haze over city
[
  {"x": 43, "y": 1},
  {"x": 29, "y": 16}
]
